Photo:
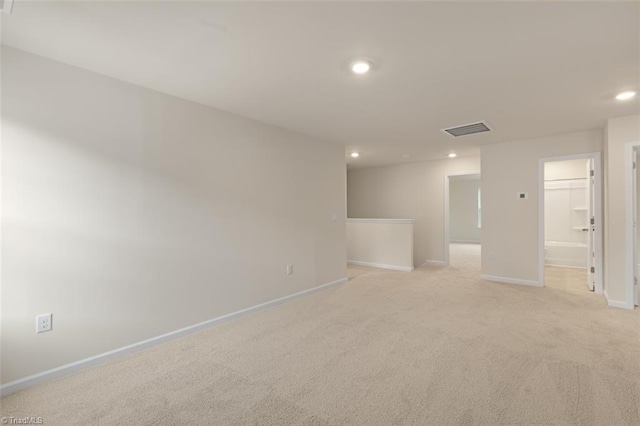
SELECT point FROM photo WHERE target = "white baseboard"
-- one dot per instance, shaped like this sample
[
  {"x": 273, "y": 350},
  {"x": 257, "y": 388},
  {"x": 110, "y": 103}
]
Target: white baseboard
[
  {"x": 83, "y": 364},
  {"x": 511, "y": 280},
  {"x": 380, "y": 265},
  {"x": 464, "y": 241},
  {"x": 430, "y": 262},
  {"x": 565, "y": 266},
  {"x": 617, "y": 303}
]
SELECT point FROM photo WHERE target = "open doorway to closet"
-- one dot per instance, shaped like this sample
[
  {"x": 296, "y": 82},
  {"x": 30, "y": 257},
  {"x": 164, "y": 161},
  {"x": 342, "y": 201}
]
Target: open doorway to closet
[
  {"x": 571, "y": 232},
  {"x": 464, "y": 221}
]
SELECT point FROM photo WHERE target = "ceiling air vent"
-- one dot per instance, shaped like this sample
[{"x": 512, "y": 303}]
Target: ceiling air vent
[
  {"x": 467, "y": 129},
  {"x": 6, "y": 6}
]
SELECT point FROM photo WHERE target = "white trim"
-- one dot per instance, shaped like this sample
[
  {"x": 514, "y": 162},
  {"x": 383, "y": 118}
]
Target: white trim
[
  {"x": 83, "y": 364},
  {"x": 597, "y": 166},
  {"x": 629, "y": 243},
  {"x": 368, "y": 220},
  {"x": 380, "y": 265},
  {"x": 511, "y": 280},
  {"x": 617, "y": 303},
  {"x": 565, "y": 266},
  {"x": 430, "y": 262},
  {"x": 464, "y": 241},
  {"x": 446, "y": 230}
]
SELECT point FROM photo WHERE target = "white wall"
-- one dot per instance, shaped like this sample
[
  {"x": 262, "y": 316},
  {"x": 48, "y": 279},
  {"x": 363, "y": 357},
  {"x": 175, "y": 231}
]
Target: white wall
[
  {"x": 463, "y": 210},
  {"x": 509, "y": 224},
  {"x": 128, "y": 213},
  {"x": 382, "y": 243},
  {"x": 619, "y": 132},
  {"x": 413, "y": 190}
]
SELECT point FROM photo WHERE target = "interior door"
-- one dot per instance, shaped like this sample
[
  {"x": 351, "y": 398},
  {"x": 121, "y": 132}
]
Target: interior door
[{"x": 591, "y": 227}]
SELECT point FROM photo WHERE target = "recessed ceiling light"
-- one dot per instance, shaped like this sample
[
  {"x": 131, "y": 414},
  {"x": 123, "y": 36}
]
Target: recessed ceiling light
[
  {"x": 453, "y": 155},
  {"x": 625, "y": 95},
  {"x": 355, "y": 155},
  {"x": 361, "y": 67}
]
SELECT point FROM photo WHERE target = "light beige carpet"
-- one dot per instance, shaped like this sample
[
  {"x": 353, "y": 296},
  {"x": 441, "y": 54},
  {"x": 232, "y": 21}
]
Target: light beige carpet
[{"x": 437, "y": 346}]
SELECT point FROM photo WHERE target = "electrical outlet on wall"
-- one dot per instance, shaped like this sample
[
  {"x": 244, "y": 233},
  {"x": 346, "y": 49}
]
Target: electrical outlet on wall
[
  {"x": 289, "y": 269},
  {"x": 44, "y": 323}
]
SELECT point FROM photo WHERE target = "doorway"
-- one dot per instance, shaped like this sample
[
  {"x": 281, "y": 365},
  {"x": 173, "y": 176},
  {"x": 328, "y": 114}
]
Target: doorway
[
  {"x": 570, "y": 232},
  {"x": 634, "y": 171},
  {"x": 463, "y": 217}
]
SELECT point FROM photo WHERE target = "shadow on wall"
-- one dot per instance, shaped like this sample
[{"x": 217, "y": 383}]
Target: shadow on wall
[{"x": 151, "y": 225}]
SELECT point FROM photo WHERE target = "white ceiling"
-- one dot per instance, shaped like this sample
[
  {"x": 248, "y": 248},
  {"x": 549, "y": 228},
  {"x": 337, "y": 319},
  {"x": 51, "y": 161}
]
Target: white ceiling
[{"x": 528, "y": 68}]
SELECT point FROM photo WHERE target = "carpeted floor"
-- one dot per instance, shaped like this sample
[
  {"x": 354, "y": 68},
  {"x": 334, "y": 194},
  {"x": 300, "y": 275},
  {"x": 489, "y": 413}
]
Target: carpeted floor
[{"x": 437, "y": 346}]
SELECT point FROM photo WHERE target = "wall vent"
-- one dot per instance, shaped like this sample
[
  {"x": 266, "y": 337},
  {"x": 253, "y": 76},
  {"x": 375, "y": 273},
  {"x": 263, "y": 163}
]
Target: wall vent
[
  {"x": 6, "y": 6},
  {"x": 467, "y": 129}
]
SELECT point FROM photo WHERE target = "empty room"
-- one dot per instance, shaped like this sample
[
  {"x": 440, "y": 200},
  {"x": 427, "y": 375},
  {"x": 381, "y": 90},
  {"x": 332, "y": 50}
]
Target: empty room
[{"x": 319, "y": 213}]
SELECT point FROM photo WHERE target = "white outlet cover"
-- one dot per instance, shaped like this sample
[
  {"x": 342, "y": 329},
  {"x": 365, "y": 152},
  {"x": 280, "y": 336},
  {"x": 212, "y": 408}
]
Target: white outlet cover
[{"x": 44, "y": 323}]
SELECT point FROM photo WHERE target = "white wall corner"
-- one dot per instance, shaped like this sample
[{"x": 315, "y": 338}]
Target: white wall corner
[{"x": 618, "y": 303}]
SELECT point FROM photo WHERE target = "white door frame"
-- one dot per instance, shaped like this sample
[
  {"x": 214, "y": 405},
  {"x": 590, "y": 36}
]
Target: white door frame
[
  {"x": 630, "y": 249},
  {"x": 446, "y": 209},
  {"x": 597, "y": 166}
]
